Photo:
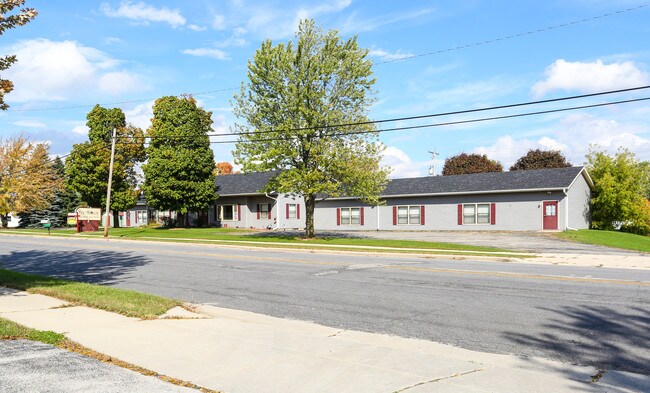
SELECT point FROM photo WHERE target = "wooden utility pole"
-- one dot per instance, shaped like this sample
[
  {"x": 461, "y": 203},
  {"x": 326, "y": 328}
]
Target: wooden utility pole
[{"x": 110, "y": 184}]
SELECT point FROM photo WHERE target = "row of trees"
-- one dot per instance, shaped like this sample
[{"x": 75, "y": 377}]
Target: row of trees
[{"x": 463, "y": 164}]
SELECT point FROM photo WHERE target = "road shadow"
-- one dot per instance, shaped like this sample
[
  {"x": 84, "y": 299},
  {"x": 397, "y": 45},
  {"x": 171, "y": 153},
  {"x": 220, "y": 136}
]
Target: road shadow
[
  {"x": 602, "y": 337},
  {"x": 95, "y": 267}
]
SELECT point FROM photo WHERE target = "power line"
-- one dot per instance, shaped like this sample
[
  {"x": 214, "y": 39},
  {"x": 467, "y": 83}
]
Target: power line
[
  {"x": 395, "y": 119},
  {"x": 450, "y": 123},
  {"x": 518, "y": 35},
  {"x": 450, "y": 49}
]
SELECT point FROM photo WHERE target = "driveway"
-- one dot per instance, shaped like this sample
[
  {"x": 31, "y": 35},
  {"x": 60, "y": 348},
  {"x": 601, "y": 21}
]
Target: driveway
[{"x": 520, "y": 241}]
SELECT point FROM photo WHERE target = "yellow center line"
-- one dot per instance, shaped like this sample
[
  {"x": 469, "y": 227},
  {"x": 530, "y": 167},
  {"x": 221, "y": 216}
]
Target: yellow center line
[{"x": 520, "y": 275}]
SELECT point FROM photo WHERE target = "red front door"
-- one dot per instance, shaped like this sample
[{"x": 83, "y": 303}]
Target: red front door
[{"x": 550, "y": 215}]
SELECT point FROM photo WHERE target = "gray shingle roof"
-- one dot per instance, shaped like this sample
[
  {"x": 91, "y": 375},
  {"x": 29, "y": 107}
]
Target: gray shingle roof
[
  {"x": 485, "y": 182},
  {"x": 242, "y": 183},
  {"x": 542, "y": 179}
]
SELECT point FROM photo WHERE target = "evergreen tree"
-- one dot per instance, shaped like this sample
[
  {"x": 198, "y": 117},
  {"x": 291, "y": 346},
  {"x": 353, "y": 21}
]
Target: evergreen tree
[{"x": 463, "y": 164}]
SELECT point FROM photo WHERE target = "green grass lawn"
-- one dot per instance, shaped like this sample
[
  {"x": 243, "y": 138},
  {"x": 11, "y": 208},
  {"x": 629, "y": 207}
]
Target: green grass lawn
[
  {"x": 12, "y": 331},
  {"x": 225, "y": 235},
  {"x": 125, "y": 302},
  {"x": 626, "y": 241}
]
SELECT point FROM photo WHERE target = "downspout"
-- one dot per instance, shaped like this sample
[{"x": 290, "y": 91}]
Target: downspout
[
  {"x": 277, "y": 211},
  {"x": 566, "y": 211}
]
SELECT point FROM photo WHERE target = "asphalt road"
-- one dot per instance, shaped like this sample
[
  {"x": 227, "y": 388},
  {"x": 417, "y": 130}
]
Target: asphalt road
[
  {"x": 33, "y": 367},
  {"x": 588, "y": 316}
]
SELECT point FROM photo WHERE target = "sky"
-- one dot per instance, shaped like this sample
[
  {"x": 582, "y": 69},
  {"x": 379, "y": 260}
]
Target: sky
[{"x": 429, "y": 57}]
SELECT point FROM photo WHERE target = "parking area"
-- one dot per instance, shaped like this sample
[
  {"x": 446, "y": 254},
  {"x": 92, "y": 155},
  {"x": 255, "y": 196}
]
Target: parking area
[{"x": 538, "y": 242}]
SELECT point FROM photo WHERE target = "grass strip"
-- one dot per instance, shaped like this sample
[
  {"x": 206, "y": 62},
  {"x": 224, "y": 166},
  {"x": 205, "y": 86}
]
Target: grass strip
[
  {"x": 622, "y": 240},
  {"x": 237, "y": 235},
  {"x": 12, "y": 331},
  {"x": 121, "y": 301}
]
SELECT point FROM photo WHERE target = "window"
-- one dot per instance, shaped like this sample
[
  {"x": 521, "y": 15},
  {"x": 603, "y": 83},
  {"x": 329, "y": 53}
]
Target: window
[
  {"x": 292, "y": 211},
  {"x": 227, "y": 212},
  {"x": 264, "y": 210},
  {"x": 408, "y": 215},
  {"x": 350, "y": 216},
  {"x": 142, "y": 216},
  {"x": 476, "y": 213}
]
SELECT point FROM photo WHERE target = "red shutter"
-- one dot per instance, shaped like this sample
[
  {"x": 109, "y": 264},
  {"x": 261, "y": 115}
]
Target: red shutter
[
  {"x": 338, "y": 216},
  {"x": 216, "y": 213},
  {"x": 258, "y": 212},
  {"x": 460, "y": 214},
  {"x": 136, "y": 217},
  {"x": 422, "y": 215},
  {"x": 361, "y": 216},
  {"x": 268, "y": 212},
  {"x": 394, "y": 215},
  {"x": 298, "y": 211},
  {"x": 493, "y": 213},
  {"x": 238, "y": 212},
  {"x": 287, "y": 211}
]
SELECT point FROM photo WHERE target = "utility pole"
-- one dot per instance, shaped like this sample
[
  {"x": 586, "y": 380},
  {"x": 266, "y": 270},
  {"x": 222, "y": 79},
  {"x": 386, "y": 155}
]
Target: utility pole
[
  {"x": 110, "y": 184},
  {"x": 432, "y": 168}
]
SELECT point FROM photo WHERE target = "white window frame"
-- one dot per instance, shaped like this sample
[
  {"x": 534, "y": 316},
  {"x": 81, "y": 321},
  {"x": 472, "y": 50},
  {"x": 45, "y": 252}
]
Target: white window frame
[
  {"x": 410, "y": 218},
  {"x": 476, "y": 213},
  {"x": 265, "y": 208},
  {"x": 350, "y": 218},
  {"x": 293, "y": 211},
  {"x": 221, "y": 210}
]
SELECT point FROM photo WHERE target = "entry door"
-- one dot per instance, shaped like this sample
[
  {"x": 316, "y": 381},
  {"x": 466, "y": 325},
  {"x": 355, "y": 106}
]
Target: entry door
[{"x": 550, "y": 215}]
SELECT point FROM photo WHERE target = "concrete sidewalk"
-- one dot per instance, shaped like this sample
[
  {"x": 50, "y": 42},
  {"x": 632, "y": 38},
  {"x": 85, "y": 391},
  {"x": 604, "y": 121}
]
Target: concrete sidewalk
[{"x": 235, "y": 351}]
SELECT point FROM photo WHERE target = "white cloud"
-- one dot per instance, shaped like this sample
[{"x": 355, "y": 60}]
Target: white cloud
[
  {"x": 112, "y": 40},
  {"x": 572, "y": 135},
  {"x": 57, "y": 70},
  {"x": 219, "y": 22},
  {"x": 29, "y": 124},
  {"x": 354, "y": 24},
  {"x": 81, "y": 129},
  {"x": 403, "y": 166},
  {"x": 196, "y": 27},
  {"x": 119, "y": 82},
  {"x": 140, "y": 115},
  {"x": 590, "y": 77},
  {"x": 272, "y": 23},
  {"x": 387, "y": 56},
  {"x": 144, "y": 13},
  {"x": 207, "y": 52}
]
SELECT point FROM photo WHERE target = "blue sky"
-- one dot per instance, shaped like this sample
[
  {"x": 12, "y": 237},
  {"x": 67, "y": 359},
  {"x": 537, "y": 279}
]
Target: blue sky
[{"x": 77, "y": 54}]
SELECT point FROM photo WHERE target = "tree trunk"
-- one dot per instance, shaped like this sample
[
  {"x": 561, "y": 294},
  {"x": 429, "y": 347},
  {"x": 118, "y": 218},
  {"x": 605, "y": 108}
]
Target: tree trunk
[
  {"x": 5, "y": 222},
  {"x": 310, "y": 204},
  {"x": 116, "y": 219}
]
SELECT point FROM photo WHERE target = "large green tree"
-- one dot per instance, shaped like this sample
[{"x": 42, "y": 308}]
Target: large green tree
[
  {"x": 293, "y": 106},
  {"x": 464, "y": 164},
  {"x": 619, "y": 188},
  {"x": 540, "y": 159},
  {"x": 28, "y": 180},
  {"x": 9, "y": 20},
  {"x": 179, "y": 173},
  {"x": 87, "y": 168}
]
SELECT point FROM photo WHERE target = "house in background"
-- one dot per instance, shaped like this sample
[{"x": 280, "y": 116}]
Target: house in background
[
  {"x": 545, "y": 199},
  {"x": 242, "y": 205}
]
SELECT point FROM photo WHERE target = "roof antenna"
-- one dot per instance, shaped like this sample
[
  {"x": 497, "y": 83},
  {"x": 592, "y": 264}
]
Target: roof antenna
[{"x": 432, "y": 168}]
